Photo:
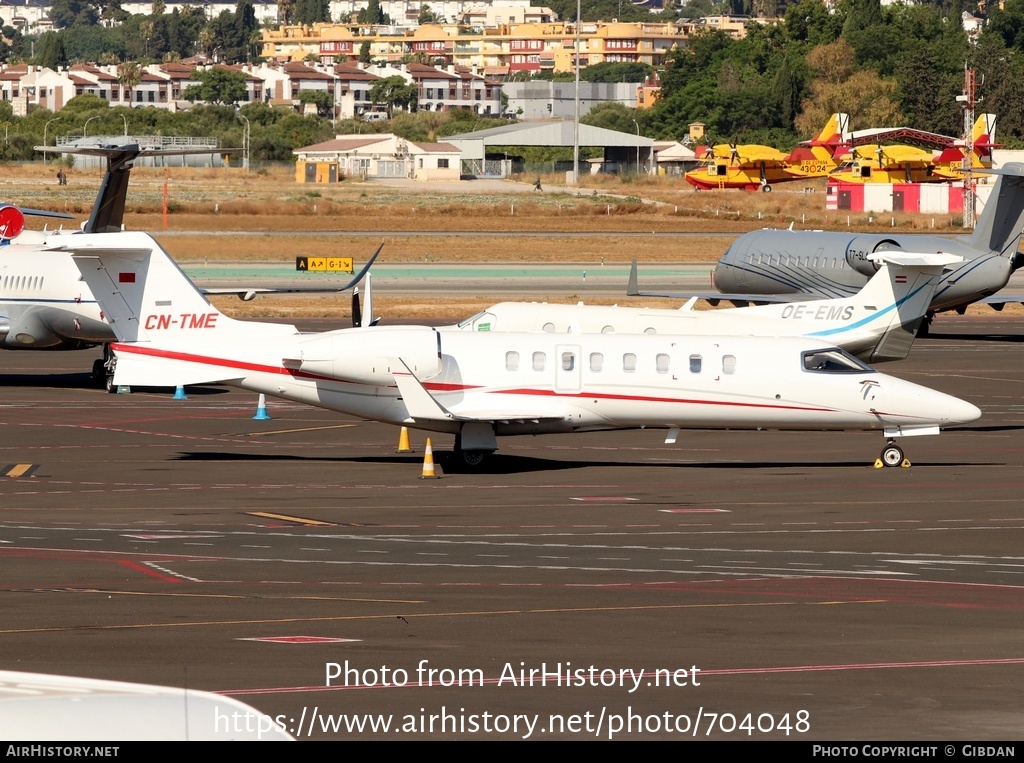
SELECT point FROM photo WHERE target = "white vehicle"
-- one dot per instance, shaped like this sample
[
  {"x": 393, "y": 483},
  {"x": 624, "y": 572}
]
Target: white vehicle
[
  {"x": 481, "y": 385},
  {"x": 877, "y": 324}
]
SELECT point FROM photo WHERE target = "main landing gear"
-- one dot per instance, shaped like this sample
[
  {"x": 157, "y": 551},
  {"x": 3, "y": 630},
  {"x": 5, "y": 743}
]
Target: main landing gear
[
  {"x": 892, "y": 455},
  {"x": 470, "y": 458},
  {"x": 103, "y": 370}
]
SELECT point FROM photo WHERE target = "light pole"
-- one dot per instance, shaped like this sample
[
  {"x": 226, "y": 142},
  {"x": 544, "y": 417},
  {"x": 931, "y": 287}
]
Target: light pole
[
  {"x": 123, "y": 117},
  {"x": 46, "y": 127},
  {"x": 85, "y": 130},
  {"x": 637, "y": 146},
  {"x": 245, "y": 143}
]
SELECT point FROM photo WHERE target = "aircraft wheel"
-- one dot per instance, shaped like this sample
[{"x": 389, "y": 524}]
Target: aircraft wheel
[
  {"x": 766, "y": 188},
  {"x": 892, "y": 455},
  {"x": 109, "y": 384},
  {"x": 99, "y": 372},
  {"x": 474, "y": 458}
]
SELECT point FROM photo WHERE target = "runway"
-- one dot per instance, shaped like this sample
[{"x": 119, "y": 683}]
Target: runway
[{"x": 736, "y": 585}]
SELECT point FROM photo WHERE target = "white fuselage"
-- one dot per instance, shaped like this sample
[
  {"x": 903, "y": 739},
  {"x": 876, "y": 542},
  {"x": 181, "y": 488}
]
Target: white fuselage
[
  {"x": 44, "y": 303},
  {"x": 538, "y": 382}
]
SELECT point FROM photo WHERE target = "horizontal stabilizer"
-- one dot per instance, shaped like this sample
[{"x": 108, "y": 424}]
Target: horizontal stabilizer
[{"x": 915, "y": 259}]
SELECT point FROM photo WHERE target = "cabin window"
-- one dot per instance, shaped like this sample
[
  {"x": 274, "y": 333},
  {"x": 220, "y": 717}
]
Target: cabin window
[
  {"x": 539, "y": 360},
  {"x": 568, "y": 361},
  {"x": 549, "y": 327},
  {"x": 511, "y": 361},
  {"x": 650, "y": 330},
  {"x": 608, "y": 330},
  {"x": 629, "y": 362},
  {"x": 728, "y": 364},
  {"x": 596, "y": 362},
  {"x": 695, "y": 361},
  {"x": 661, "y": 363}
]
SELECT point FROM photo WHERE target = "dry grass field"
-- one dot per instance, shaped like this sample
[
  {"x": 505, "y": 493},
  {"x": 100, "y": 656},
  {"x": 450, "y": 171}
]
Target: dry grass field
[{"x": 510, "y": 222}]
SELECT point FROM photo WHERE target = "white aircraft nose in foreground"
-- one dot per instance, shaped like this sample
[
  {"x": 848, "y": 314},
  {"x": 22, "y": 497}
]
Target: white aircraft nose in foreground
[{"x": 478, "y": 386}]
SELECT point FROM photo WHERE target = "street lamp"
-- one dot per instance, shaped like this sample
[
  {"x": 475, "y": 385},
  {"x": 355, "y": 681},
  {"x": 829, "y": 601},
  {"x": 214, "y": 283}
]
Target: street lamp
[
  {"x": 85, "y": 130},
  {"x": 46, "y": 127},
  {"x": 123, "y": 117},
  {"x": 637, "y": 146}
]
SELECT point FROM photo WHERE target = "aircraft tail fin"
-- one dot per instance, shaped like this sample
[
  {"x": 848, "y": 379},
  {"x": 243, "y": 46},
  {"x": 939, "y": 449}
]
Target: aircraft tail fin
[
  {"x": 903, "y": 286},
  {"x": 1000, "y": 224},
  {"x": 146, "y": 297},
  {"x": 108, "y": 209},
  {"x": 835, "y": 132}
]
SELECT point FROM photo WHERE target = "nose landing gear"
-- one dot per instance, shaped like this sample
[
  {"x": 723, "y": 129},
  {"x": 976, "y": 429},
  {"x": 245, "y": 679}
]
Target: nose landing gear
[{"x": 892, "y": 455}]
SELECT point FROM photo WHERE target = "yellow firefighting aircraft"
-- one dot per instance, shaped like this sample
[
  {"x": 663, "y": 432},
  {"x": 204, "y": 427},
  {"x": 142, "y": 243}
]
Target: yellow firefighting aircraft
[{"x": 755, "y": 167}]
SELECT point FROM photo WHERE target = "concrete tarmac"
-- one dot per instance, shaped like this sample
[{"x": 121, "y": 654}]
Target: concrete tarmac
[{"x": 736, "y": 585}]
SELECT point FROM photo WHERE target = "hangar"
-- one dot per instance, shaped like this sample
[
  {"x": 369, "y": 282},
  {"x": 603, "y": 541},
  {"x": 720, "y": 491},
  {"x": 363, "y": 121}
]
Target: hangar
[{"x": 623, "y": 152}]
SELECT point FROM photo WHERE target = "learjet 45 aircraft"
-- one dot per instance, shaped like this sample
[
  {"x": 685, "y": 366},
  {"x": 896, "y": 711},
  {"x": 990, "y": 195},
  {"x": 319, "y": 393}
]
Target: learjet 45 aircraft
[
  {"x": 878, "y": 323},
  {"x": 481, "y": 385},
  {"x": 780, "y": 265}
]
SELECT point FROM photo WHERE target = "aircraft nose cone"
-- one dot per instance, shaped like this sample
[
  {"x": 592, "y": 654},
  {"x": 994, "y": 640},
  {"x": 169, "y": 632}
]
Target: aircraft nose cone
[{"x": 962, "y": 412}]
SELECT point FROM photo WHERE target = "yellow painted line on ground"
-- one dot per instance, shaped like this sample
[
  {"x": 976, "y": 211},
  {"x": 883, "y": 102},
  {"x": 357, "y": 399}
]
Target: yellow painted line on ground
[
  {"x": 18, "y": 470},
  {"x": 305, "y": 429},
  {"x": 286, "y": 518},
  {"x": 408, "y": 616}
]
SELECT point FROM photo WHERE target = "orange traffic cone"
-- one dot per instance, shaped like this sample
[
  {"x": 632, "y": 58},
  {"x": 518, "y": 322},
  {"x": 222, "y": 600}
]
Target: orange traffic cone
[
  {"x": 403, "y": 441},
  {"x": 428, "y": 463}
]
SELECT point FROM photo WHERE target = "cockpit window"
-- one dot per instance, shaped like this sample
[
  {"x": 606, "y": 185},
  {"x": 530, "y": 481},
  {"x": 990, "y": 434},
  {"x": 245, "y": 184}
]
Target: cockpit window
[{"x": 833, "y": 360}]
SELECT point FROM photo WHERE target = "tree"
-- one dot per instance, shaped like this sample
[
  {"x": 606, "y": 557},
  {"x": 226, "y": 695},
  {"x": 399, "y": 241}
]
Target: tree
[
  {"x": 311, "y": 11},
  {"x": 66, "y": 13},
  {"x": 427, "y": 16},
  {"x": 364, "y": 52},
  {"x": 324, "y": 101},
  {"x": 373, "y": 14},
  {"x": 51, "y": 53},
  {"x": 616, "y": 72},
  {"x": 394, "y": 92},
  {"x": 217, "y": 85}
]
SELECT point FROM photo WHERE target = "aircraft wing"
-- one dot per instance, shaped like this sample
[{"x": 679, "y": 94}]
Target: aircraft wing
[
  {"x": 998, "y": 301},
  {"x": 247, "y": 294},
  {"x": 714, "y": 297},
  {"x": 423, "y": 406}
]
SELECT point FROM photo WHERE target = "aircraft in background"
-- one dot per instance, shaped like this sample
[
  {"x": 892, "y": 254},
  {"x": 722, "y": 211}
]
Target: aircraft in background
[
  {"x": 886, "y": 164},
  {"x": 950, "y": 162},
  {"x": 44, "y": 304},
  {"x": 897, "y": 163},
  {"x": 755, "y": 167},
  {"x": 783, "y": 265},
  {"x": 877, "y": 324},
  {"x": 480, "y": 385}
]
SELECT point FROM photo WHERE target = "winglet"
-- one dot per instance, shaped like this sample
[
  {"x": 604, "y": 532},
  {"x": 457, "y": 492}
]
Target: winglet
[{"x": 632, "y": 288}]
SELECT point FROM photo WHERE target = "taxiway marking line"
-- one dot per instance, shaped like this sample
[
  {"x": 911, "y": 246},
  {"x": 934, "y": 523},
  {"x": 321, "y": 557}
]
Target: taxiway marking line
[
  {"x": 392, "y": 615},
  {"x": 292, "y": 431},
  {"x": 287, "y": 518}
]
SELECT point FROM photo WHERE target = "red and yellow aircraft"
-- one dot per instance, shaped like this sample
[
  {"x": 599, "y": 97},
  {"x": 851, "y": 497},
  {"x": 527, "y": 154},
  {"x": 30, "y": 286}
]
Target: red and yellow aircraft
[
  {"x": 755, "y": 167},
  {"x": 949, "y": 164},
  {"x": 908, "y": 164}
]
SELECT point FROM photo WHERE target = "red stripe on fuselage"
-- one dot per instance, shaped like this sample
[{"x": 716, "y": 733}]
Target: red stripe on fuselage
[{"x": 446, "y": 386}]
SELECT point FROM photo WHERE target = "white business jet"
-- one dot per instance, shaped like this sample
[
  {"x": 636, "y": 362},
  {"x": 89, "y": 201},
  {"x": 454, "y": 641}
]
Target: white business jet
[
  {"x": 877, "y": 324},
  {"x": 478, "y": 385},
  {"x": 44, "y": 304}
]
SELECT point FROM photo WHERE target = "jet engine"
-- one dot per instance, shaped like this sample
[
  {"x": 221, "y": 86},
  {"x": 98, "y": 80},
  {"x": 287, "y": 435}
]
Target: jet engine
[
  {"x": 858, "y": 250},
  {"x": 369, "y": 356}
]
